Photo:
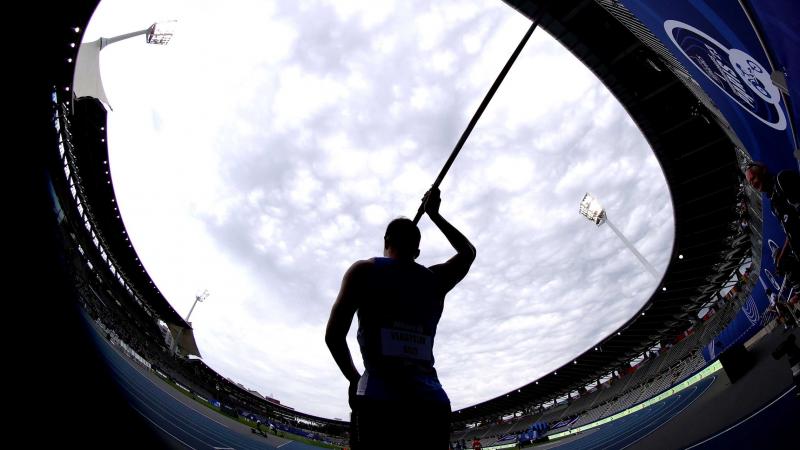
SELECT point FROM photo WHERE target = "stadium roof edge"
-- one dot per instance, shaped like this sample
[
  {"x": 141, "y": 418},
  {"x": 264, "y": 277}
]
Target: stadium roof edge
[{"x": 672, "y": 118}]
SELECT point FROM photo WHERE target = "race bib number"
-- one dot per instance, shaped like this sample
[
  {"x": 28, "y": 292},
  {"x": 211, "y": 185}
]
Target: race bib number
[{"x": 406, "y": 344}]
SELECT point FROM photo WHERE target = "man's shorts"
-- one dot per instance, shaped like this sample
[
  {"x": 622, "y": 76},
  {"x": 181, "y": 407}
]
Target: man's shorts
[{"x": 378, "y": 424}]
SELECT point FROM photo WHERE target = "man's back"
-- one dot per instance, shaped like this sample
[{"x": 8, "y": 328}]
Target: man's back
[{"x": 398, "y": 313}]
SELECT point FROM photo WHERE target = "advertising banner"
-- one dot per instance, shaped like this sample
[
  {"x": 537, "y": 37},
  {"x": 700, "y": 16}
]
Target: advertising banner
[
  {"x": 729, "y": 49},
  {"x": 717, "y": 44}
]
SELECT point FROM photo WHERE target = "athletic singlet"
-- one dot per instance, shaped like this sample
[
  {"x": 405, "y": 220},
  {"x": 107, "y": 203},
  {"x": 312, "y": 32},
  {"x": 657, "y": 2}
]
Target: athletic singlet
[{"x": 402, "y": 304}]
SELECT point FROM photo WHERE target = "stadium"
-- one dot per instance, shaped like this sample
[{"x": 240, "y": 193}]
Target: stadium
[{"x": 708, "y": 362}]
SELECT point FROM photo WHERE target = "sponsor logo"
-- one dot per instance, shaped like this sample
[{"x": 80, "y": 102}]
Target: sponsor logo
[
  {"x": 751, "y": 311},
  {"x": 735, "y": 72}
]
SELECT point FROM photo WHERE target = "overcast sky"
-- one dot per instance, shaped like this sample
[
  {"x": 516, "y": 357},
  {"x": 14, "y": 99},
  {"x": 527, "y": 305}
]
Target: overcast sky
[{"x": 267, "y": 146}]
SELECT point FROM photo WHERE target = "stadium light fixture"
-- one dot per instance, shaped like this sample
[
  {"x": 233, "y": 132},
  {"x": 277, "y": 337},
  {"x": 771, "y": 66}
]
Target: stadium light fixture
[
  {"x": 591, "y": 208},
  {"x": 160, "y": 33}
]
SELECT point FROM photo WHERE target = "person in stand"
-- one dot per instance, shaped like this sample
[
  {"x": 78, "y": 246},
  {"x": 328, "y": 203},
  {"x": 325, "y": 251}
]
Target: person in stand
[
  {"x": 399, "y": 304},
  {"x": 783, "y": 191}
]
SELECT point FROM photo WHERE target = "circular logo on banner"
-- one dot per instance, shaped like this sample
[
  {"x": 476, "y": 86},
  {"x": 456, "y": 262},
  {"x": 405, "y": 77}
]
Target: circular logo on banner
[
  {"x": 735, "y": 72},
  {"x": 755, "y": 75},
  {"x": 772, "y": 280},
  {"x": 773, "y": 248},
  {"x": 751, "y": 310}
]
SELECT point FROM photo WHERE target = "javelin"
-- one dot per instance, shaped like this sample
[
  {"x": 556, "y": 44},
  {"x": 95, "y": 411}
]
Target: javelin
[{"x": 482, "y": 107}]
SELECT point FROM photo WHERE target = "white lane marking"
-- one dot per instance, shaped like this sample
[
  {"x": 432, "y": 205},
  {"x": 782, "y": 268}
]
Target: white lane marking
[
  {"x": 674, "y": 415},
  {"x": 190, "y": 424},
  {"x": 122, "y": 377},
  {"x": 143, "y": 395},
  {"x": 743, "y": 420},
  {"x": 175, "y": 418},
  {"x": 206, "y": 432},
  {"x": 161, "y": 388},
  {"x": 284, "y": 444},
  {"x": 161, "y": 428}
]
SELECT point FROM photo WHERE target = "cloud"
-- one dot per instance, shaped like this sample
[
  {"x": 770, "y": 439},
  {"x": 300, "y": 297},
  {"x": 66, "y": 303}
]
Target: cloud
[{"x": 285, "y": 135}]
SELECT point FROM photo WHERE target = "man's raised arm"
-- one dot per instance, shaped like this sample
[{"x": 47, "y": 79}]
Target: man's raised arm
[{"x": 455, "y": 269}]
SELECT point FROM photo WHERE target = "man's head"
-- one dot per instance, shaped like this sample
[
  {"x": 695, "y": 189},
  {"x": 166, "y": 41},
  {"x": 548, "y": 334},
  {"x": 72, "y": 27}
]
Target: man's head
[
  {"x": 401, "y": 239},
  {"x": 757, "y": 175}
]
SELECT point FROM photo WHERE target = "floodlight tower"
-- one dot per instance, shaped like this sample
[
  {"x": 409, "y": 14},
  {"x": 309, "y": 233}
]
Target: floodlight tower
[
  {"x": 184, "y": 336},
  {"x": 592, "y": 210},
  {"x": 87, "y": 81},
  {"x": 197, "y": 298}
]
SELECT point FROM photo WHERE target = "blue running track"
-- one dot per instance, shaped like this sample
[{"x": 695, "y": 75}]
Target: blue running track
[
  {"x": 181, "y": 425},
  {"x": 626, "y": 431}
]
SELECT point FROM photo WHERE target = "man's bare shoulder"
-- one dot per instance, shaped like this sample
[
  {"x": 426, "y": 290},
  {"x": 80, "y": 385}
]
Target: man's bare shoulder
[
  {"x": 364, "y": 263},
  {"x": 359, "y": 267}
]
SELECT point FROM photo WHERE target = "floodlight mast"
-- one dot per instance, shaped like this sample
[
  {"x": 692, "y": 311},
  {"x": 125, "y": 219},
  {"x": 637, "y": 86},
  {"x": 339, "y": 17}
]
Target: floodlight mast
[
  {"x": 158, "y": 33},
  {"x": 197, "y": 298},
  {"x": 87, "y": 82},
  {"x": 591, "y": 209}
]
